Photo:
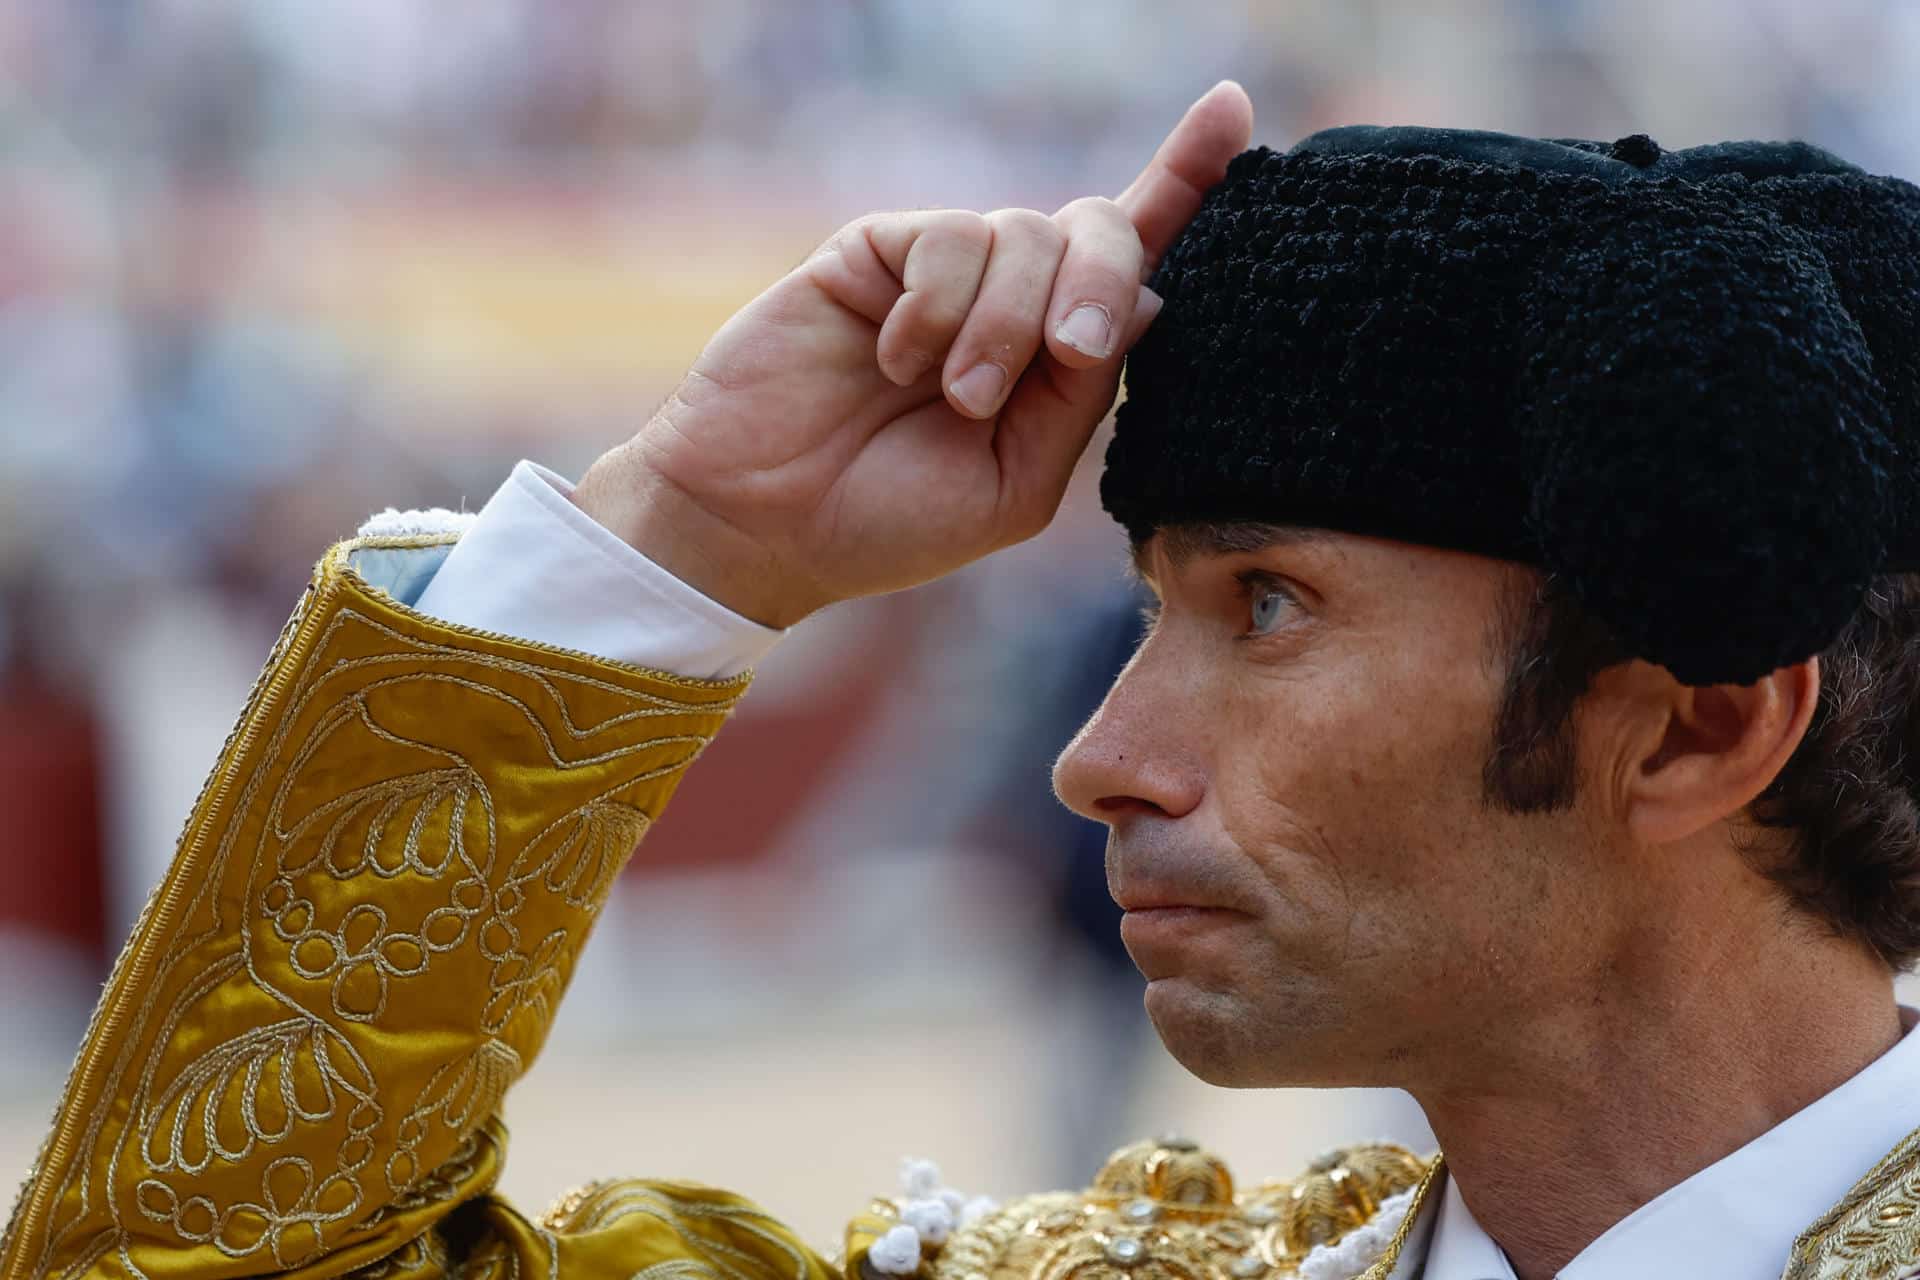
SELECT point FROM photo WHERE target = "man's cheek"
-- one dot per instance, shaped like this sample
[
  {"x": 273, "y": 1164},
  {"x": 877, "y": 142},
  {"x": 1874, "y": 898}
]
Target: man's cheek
[{"x": 1301, "y": 843}]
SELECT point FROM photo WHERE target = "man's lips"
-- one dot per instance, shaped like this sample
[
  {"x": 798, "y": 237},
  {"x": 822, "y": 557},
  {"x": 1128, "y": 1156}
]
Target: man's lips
[
  {"x": 1155, "y": 935},
  {"x": 1151, "y": 876},
  {"x": 1169, "y": 911},
  {"x": 1138, "y": 894},
  {"x": 1138, "y": 904},
  {"x": 1178, "y": 910}
]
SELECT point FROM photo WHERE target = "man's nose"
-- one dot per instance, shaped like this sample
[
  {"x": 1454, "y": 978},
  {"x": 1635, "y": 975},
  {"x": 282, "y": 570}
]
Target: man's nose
[{"x": 1137, "y": 755}]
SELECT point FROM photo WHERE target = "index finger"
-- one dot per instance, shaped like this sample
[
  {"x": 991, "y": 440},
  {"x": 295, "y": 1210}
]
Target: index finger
[{"x": 1166, "y": 195}]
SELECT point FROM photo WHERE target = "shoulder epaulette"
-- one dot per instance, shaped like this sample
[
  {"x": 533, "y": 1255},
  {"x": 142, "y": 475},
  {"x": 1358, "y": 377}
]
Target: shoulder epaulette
[{"x": 1163, "y": 1210}]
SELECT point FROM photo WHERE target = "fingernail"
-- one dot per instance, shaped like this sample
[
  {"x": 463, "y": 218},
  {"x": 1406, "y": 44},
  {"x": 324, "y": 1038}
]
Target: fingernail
[
  {"x": 979, "y": 388},
  {"x": 1088, "y": 329},
  {"x": 1144, "y": 312}
]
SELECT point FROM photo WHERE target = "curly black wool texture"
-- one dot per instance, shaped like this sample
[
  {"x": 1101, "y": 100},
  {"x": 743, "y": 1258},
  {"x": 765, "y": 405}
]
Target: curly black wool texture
[{"x": 1688, "y": 382}]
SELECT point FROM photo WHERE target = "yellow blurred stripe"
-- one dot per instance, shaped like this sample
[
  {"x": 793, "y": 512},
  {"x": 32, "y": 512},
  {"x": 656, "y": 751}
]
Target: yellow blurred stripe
[{"x": 511, "y": 304}]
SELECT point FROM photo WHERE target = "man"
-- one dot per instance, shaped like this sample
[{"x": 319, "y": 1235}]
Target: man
[{"x": 1526, "y": 724}]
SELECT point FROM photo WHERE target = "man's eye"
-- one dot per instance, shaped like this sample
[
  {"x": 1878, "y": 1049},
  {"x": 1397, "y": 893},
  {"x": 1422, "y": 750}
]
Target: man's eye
[{"x": 1269, "y": 604}]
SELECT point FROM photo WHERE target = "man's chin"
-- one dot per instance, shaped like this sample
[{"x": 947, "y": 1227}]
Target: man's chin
[
  {"x": 1207, "y": 1032},
  {"x": 1224, "y": 1039}
]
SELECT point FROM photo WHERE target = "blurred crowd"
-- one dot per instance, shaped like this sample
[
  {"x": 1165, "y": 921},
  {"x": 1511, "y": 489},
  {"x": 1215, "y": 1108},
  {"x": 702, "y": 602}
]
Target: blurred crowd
[{"x": 265, "y": 268}]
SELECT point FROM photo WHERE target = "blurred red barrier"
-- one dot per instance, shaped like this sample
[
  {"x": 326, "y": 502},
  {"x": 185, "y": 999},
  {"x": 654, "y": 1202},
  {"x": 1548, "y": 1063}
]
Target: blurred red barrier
[{"x": 51, "y": 839}]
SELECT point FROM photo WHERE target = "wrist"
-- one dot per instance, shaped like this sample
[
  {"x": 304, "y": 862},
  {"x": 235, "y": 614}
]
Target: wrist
[{"x": 662, "y": 522}]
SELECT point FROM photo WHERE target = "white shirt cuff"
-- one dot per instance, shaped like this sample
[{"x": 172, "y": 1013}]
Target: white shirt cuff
[{"x": 534, "y": 566}]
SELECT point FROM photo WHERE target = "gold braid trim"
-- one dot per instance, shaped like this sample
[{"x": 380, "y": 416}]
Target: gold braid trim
[
  {"x": 1391, "y": 1258},
  {"x": 359, "y": 945},
  {"x": 1874, "y": 1232}
]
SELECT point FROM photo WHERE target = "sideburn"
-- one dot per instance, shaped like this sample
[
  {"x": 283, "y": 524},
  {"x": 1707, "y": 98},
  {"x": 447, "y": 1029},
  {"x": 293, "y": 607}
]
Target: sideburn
[{"x": 1550, "y": 649}]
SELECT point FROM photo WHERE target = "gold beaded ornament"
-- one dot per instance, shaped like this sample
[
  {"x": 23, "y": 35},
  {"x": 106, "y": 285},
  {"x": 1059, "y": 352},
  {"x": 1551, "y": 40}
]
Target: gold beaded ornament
[{"x": 1159, "y": 1210}]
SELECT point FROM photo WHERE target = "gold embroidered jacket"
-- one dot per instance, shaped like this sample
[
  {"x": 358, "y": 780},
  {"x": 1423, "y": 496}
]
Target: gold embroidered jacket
[{"x": 297, "y": 1064}]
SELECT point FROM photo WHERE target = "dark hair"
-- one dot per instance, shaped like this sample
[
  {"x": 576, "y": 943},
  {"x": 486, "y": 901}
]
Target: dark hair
[{"x": 1849, "y": 794}]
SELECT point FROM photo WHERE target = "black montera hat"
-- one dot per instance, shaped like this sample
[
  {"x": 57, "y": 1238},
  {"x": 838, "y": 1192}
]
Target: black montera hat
[{"x": 1687, "y": 382}]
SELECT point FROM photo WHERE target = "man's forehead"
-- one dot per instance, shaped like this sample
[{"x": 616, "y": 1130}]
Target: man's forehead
[{"x": 1182, "y": 542}]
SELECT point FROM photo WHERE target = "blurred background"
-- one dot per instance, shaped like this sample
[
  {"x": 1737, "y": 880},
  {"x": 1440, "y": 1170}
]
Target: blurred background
[{"x": 268, "y": 267}]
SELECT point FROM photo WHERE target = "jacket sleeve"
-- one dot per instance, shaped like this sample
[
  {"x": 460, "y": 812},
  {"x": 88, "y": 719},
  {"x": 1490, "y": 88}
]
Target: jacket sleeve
[{"x": 298, "y": 1062}]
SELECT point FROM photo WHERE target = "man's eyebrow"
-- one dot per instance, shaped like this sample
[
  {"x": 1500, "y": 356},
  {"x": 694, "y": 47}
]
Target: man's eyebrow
[{"x": 1183, "y": 542}]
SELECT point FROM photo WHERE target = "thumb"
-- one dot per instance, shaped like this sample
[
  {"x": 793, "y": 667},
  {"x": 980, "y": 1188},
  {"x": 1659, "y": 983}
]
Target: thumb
[{"x": 1047, "y": 421}]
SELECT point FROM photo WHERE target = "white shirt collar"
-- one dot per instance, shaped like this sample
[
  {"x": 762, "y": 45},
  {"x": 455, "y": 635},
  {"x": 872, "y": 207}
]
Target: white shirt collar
[
  {"x": 1461, "y": 1249},
  {"x": 1737, "y": 1218}
]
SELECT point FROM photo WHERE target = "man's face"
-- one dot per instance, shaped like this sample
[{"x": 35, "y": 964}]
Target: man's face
[{"x": 1316, "y": 889}]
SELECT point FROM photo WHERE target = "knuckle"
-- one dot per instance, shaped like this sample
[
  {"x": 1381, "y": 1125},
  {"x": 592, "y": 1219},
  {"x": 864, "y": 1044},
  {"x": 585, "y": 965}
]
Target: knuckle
[
  {"x": 961, "y": 226},
  {"x": 854, "y": 239},
  {"x": 1030, "y": 225},
  {"x": 865, "y": 225},
  {"x": 836, "y": 243},
  {"x": 1097, "y": 207}
]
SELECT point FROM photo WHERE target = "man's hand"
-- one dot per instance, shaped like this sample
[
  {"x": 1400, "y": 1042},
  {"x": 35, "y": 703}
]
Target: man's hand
[{"x": 911, "y": 397}]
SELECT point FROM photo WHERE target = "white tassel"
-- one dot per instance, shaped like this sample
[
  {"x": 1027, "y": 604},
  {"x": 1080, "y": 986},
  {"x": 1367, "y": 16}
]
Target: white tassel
[
  {"x": 933, "y": 1210},
  {"x": 931, "y": 1218},
  {"x": 896, "y": 1253},
  {"x": 1360, "y": 1248},
  {"x": 919, "y": 1178}
]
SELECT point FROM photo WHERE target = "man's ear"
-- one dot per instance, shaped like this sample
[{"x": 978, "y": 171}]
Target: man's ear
[{"x": 1719, "y": 747}]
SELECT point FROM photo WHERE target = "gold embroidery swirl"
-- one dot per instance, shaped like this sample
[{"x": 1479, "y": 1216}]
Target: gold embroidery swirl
[
  {"x": 1874, "y": 1232},
  {"x": 373, "y": 912}
]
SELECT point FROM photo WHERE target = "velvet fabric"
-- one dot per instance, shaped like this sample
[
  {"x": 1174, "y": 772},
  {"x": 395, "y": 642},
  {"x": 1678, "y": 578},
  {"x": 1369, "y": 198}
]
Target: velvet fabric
[
  {"x": 297, "y": 1065},
  {"x": 1686, "y": 382}
]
